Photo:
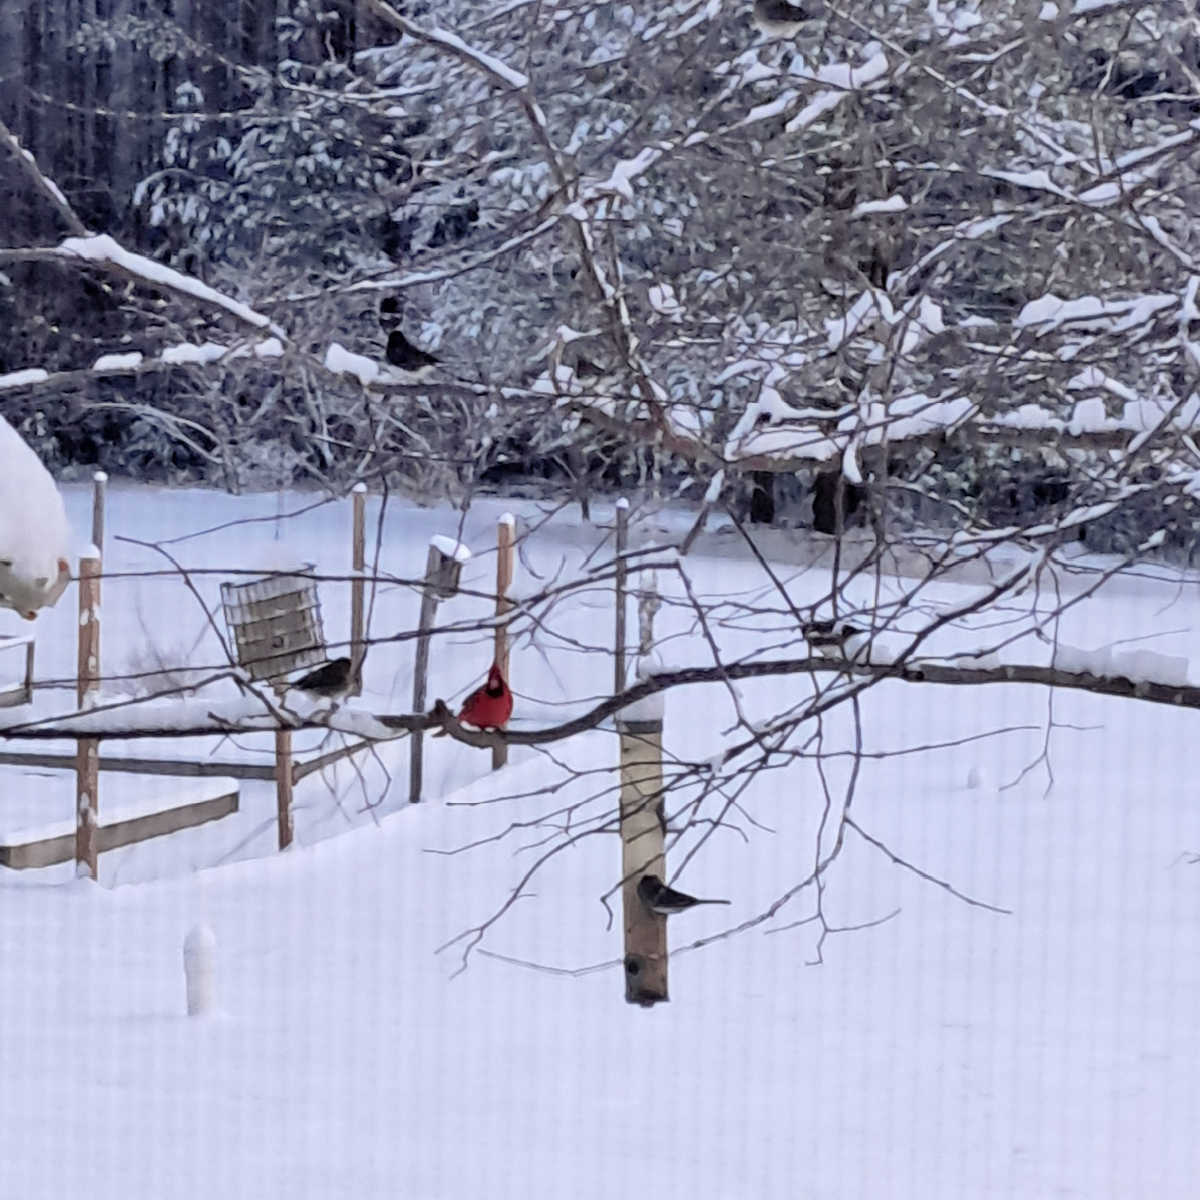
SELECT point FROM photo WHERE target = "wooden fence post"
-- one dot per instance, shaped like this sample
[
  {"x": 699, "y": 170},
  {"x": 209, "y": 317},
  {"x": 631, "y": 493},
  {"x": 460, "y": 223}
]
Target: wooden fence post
[
  {"x": 87, "y": 750},
  {"x": 622, "y": 538},
  {"x": 505, "y": 539},
  {"x": 284, "y": 780},
  {"x": 99, "y": 489},
  {"x": 643, "y": 834},
  {"x": 443, "y": 566},
  {"x": 358, "y": 497}
]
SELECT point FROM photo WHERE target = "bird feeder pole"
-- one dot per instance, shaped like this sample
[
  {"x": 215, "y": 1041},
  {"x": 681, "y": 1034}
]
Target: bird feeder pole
[
  {"x": 622, "y": 538},
  {"x": 505, "y": 530},
  {"x": 358, "y": 562},
  {"x": 643, "y": 824},
  {"x": 642, "y": 852}
]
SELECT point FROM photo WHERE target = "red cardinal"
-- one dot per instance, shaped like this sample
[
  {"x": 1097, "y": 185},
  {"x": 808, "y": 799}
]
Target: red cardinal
[{"x": 490, "y": 706}]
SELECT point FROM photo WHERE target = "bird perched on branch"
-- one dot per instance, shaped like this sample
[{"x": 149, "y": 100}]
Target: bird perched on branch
[
  {"x": 489, "y": 706},
  {"x": 332, "y": 679},
  {"x": 389, "y": 312},
  {"x": 663, "y": 900},
  {"x": 401, "y": 353},
  {"x": 586, "y": 370},
  {"x": 836, "y": 639},
  {"x": 781, "y": 19}
]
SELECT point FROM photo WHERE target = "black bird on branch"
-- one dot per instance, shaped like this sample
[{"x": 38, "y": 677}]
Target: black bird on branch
[
  {"x": 781, "y": 19},
  {"x": 332, "y": 679},
  {"x": 836, "y": 639},
  {"x": 389, "y": 313},
  {"x": 402, "y": 354},
  {"x": 585, "y": 369},
  {"x": 664, "y": 900}
]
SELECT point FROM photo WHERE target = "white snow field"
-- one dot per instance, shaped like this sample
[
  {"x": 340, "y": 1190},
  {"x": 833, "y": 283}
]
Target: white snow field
[{"x": 944, "y": 1050}]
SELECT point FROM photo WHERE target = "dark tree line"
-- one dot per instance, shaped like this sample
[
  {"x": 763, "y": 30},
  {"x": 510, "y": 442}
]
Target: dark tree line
[{"x": 87, "y": 85}]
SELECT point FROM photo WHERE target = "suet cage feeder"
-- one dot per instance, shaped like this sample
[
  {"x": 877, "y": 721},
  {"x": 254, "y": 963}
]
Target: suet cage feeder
[{"x": 275, "y": 623}]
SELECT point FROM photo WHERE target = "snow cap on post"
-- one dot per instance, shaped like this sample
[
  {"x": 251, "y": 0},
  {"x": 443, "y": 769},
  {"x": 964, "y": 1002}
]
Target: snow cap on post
[
  {"x": 450, "y": 548},
  {"x": 451, "y": 556}
]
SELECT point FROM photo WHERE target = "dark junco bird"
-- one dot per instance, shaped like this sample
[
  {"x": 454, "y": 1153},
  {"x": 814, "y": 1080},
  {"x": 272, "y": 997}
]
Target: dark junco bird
[
  {"x": 781, "y": 19},
  {"x": 836, "y": 639},
  {"x": 389, "y": 312},
  {"x": 403, "y": 354},
  {"x": 586, "y": 369},
  {"x": 663, "y": 900},
  {"x": 332, "y": 679}
]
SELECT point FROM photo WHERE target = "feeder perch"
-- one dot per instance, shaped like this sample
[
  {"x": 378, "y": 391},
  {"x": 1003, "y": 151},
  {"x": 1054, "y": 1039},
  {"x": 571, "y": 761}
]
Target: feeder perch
[{"x": 275, "y": 623}]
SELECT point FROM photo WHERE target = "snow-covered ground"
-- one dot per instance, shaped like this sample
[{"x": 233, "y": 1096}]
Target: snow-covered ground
[{"x": 942, "y": 1051}]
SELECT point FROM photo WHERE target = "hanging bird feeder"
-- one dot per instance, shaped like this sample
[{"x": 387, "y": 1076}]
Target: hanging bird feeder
[{"x": 275, "y": 624}]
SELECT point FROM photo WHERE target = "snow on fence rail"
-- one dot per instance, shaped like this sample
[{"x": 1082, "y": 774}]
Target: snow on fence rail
[{"x": 123, "y": 824}]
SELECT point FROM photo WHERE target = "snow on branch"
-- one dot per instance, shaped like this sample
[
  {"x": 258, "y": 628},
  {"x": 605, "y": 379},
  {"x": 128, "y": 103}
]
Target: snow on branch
[
  {"x": 451, "y": 42},
  {"x": 913, "y": 417},
  {"x": 27, "y": 377},
  {"x": 182, "y": 354},
  {"x": 108, "y": 252},
  {"x": 44, "y": 184},
  {"x": 1049, "y": 312},
  {"x": 337, "y": 360},
  {"x": 340, "y": 361},
  {"x": 496, "y": 69},
  {"x": 971, "y": 230},
  {"x": 772, "y": 436},
  {"x": 620, "y": 182}
]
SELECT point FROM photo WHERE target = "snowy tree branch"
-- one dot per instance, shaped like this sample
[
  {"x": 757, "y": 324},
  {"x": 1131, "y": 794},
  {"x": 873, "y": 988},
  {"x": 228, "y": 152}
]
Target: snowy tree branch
[
  {"x": 46, "y": 186},
  {"x": 130, "y": 719}
]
